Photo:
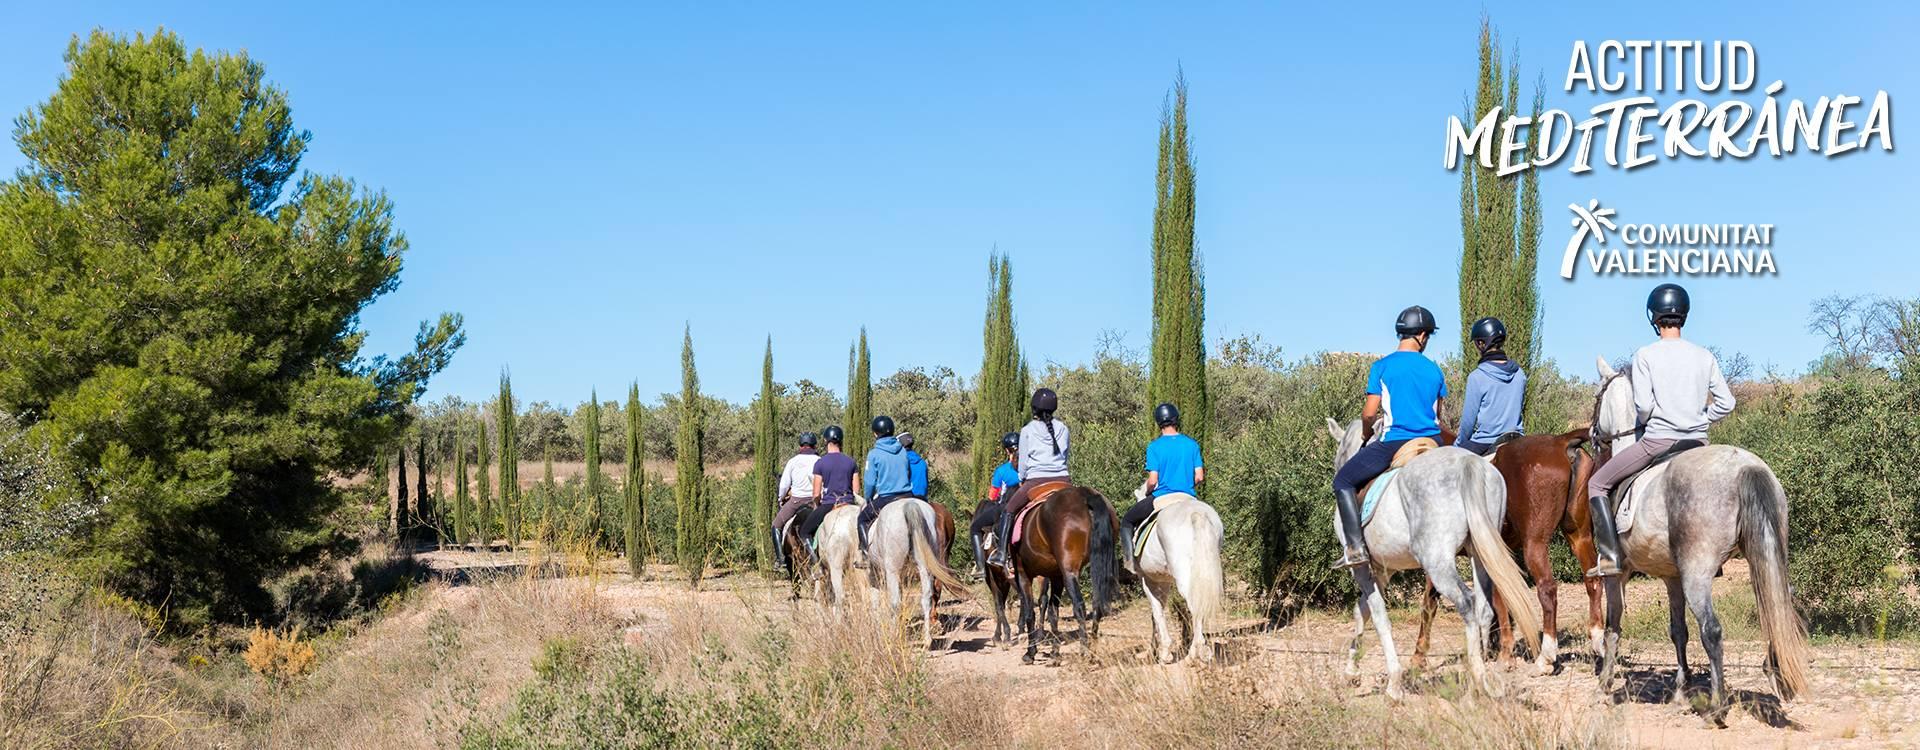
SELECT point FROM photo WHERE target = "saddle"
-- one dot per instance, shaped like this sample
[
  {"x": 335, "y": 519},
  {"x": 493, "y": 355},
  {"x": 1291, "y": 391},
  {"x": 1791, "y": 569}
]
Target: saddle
[
  {"x": 1145, "y": 529},
  {"x": 1371, "y": 492},
  {"x": 1412, "y": 450},
  {"x": 1500, "y": 441},
  {"x": 1037, "y": 496},
  {"x": 1621, "y": 501}
]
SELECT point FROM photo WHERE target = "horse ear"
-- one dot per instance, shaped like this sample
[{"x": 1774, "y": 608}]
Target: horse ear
[
  {"x": 1333, "y": 428},
  {"x": 1606, "y": 370}
]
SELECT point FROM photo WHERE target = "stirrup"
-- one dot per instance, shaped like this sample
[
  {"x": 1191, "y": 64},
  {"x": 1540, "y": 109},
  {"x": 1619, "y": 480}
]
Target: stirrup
[
  {"x": 1353, "y": 559},
  {"x": 1605, "y": 570}
]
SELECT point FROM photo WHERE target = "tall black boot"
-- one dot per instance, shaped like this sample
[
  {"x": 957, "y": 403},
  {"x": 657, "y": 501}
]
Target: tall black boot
[
  {"x": 979, "y": 557},
  {"x": 1126, "y": 549},
  {"x": 1003, "y": 541},
  {"x": 1606, "y": 539},
  {"x": 779, "y": 553},
  {"x": 1347, "y": 505}
]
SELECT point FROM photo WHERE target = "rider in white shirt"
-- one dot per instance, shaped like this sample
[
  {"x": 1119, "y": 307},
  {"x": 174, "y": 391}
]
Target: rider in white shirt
[{"x": 796, "y": 488}]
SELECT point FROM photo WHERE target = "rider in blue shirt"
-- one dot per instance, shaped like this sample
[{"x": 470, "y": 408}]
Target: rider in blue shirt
[
  {"x": 1173, "y": 466},
  {"x": 1004, "y": 480},
  {"x": 1410, "y": 387},
  {"x": 916, "y": 467}
]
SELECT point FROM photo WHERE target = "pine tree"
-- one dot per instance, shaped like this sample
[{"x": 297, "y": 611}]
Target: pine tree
[
  {"x": 1000, "y": 395},
  {"x": 483, "y": 502},
  {"x": 462, "y": 523},
  {"x": 590, "y": 442},
  {"x": 1179, "y": 353},
  {"x": 689, "y": 487},
  {"x": 859, "y": 403},
  {"x": 766, "y": 448},
  {"x": 636, "y": 487},
  {"x": 510, "y": 510},
  {"x": 1500, "y": 223}
]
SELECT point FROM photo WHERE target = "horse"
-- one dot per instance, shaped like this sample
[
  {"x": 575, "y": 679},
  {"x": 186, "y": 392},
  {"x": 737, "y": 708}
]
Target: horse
[
  {"x": 1183, "y": 552},
  {"x": 800, "y": 562},
  {"x": 1545, "y": 477},
  {"x": 903, "y": 534},
  {"x": 1066, "y": 530},
  {"x": 1438, "y": 503},
  {"x": 1688, "y": 515}
]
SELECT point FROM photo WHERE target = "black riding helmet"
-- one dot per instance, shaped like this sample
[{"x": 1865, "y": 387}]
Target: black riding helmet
[
  {"x": 1166, "y": 414},
  {"x": 835, "y": 435},
  {"x": 1414, "y": 321},
  {"x": 808, "y": 439},
  {"x": 883, "y": 426},
  {"x": 1490, "y": 331},
  {"x": 1010, "y": 441},
  {"x": 1668, "y": 303},
  {"x": 1045, "y": 401}
]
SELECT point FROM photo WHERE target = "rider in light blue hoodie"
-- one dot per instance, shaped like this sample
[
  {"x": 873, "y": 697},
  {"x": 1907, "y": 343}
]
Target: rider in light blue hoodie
[
  {"x": 888, "y": 477},
  {"x": 1496, "y": 391}
]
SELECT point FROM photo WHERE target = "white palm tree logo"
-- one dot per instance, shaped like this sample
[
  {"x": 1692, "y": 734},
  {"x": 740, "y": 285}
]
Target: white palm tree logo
[{"x": 1586, "y": 221}]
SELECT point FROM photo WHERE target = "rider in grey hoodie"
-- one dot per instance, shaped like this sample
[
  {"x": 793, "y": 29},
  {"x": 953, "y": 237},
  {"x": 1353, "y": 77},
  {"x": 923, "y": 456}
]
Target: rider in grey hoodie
[{"x": 1496, "y": 391}]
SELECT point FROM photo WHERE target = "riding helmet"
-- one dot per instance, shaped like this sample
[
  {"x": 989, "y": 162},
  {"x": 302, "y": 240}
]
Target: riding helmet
[
  {"x": 1166, "y": 414},
  {"x": 1045, "y": 401},
  {"x": 835, "y": 435},
  {"x": 883, "y": 426},
  {"x": 906, "y": 440},
  {"x": 1490, "y": 330},
  {"x": 808, "y": 439},
  {"x": 1010, "y": 441},
  {"x": 1414, "y": 321},
  {"x": 1668, "y": 302}
]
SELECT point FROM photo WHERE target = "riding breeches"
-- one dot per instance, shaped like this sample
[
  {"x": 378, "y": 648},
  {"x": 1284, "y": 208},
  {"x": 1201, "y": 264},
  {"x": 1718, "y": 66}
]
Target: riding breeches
[
  {"x": 789, "y": 509},
  {"x": 1624, "y": 463},
  {"x": 811, "y": 526},
  {"x": 1019, "y": 499},
  {"x": 1371, "y": 461},
  {"x": 988, "y": 515},
  {"x": 872, "y": 509}
]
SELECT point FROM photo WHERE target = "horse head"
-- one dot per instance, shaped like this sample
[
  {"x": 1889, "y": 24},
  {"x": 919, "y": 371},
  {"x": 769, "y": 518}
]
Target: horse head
[
  {"x": 1347, "y": 440},
  {"x": 1614, "y": 419}
]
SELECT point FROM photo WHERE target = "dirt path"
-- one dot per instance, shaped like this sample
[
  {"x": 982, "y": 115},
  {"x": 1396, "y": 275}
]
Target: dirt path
[{"x": 1864, "y": 695}]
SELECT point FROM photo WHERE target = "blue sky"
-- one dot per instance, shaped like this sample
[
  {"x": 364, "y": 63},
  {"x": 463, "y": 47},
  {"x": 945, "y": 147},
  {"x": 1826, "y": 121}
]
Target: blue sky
[{"x": 581, "y": 183}]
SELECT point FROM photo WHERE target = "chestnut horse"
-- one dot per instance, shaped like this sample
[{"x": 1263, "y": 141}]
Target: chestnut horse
[
  {"x": 1069, "y": 528},
  {"x": 1545, "y": 477}
]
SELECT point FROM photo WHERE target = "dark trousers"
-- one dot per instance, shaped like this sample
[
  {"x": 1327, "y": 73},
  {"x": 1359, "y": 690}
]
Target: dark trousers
[
  {"x": 1372, "y": 460},
  {"x": 871, "y": 510},
  {"x": 1137, "y": 514},
  {"x": 811, "y": 526},
  {"x": 1479, "y": 449},
  {"x": 988, "y": 515}
]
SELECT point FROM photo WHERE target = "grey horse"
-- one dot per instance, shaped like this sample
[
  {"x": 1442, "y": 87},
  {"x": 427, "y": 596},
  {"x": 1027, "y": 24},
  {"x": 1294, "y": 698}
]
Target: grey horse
[
  {"x": 1438, "y": 504},
  {"x": 1688, "y": 515}
]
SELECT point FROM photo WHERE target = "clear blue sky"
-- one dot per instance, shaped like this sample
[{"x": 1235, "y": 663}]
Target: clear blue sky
[{"x": 580, "y": 183}]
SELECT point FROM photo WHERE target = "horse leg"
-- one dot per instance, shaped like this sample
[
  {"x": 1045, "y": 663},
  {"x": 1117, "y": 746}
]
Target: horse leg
[
  {"x": 1501, "y": 639},
  {"x": 1580, "y": 538},
  {"x": 1029, "y": 619},
  {"x": 1610, "y": 643},
  {"x": 1079, "y": 610},
  {"x": 1447, "y": 582},
  {"x": 1053, "y": 617},
  {"x": 1429, "y": 605},
  {"x": 1359, "y": 631},
  {"x": 1677, "y": 631},
  {"x": 1156, "y": 601},
  {"x": 1377, "y": 607},
  {"x": 1540, "y": 566},
  {"x": 929, "y": 596},
  {"x": 1699, "y": 591}
]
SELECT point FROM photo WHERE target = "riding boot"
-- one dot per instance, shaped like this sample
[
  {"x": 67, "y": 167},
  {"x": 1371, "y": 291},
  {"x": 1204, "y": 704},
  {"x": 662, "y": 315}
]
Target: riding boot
[
  {"x": 1126, "y": 549},
  {"x": 1606, "y": 539},
  {"x": 1003, "y": 541},
  {"x": 1347, "y": 505},
  {"x": 862, "y": 529},
  {"x": 979, "y": 559},
  {"x": 780, "y": 554}
]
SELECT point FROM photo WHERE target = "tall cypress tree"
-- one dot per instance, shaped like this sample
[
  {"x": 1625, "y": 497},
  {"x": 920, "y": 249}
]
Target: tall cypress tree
[
  {"x": 636, "y": 487},
  {"x": 999, "y": 396},
  {"x": 766, "y": 448},
  {"x": 510, "y": 511},
  {"x": 462, "y": 523},
  {"x": 399, "y": 521},
  {"x": 591, "y": 444},
  {"x": 483, "y": 502},
  {"x": 423, "y": 505},
  {"x": 1500, "y": 223},
  {"x": 859, "y": 403},
  {"x": 549, "y": 492},
  {"x": 690, "y": 475},
  {"x": 1179, "y": 354}
]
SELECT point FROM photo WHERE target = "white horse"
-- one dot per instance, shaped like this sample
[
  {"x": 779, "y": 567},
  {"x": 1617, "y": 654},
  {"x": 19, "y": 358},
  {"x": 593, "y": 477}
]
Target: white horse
[
  {"x": 902, "y": 536},
  {"x": 1438, "y": 504},
  {"x": 1183, "y": 552},
  {"x": 1688, "y": 516}
]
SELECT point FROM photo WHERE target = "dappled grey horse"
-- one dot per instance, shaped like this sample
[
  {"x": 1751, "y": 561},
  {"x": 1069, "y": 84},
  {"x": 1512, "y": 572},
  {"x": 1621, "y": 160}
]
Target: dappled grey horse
[
  {"x": 1687, "y": 516},
  {"x": 1437, "y": 504}
]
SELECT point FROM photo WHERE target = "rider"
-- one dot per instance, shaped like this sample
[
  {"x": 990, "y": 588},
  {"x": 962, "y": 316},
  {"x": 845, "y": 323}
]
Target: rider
[
  {"x": 889, "y": 475},
  {"x": 796, "y": 489},
  {"x": 1004, "y": 480},
  {"x": 1678, "y": 391},
  {"x": 1496, "y": 391},
  {"x": 1173, "y": 466},
  {"x": 916, "y": 467},
  {"x": 836, "y": 479},
  {"x": 1410, "y": 387},
  {"x": 1043, "y": 457}
]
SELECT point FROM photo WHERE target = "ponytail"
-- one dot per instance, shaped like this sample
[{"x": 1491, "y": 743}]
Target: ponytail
[{"x": 1046, "y": 418}]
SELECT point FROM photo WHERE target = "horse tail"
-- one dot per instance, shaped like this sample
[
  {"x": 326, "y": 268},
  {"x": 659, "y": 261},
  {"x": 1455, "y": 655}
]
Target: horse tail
[
  {"x": 1100, "y": 540},
  {"x": 1763, "y": 540},
  {"x": 1492, "y": 552},
  {"x": 1206, "y": 587},
  {"x": 1579, "y": 468},
  {"x": 920, "y": 542}
]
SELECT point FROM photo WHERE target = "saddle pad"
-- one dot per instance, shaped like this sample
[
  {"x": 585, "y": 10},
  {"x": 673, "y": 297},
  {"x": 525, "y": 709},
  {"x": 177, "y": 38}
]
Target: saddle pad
[
  {"x": 1044, "y": 493},
  {"x": 1141, "y": 534},
  {"x": 1375, "y": 490}
]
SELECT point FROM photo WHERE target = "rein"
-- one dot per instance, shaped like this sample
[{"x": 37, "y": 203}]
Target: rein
[{"x": 1604, "y": 440}]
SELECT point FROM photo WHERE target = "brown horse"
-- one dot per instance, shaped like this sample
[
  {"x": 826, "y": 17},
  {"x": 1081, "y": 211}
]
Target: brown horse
[
  {"x": 1545, "y": 476},
  {"x": 1070, "y": 528}
]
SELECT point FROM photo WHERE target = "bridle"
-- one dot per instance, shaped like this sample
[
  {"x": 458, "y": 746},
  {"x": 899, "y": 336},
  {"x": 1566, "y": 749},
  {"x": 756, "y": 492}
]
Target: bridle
[{"x": 1604, "y": 441}]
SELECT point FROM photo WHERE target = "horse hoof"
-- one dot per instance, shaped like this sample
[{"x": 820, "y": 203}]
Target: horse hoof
[
  {"x": 1543, "y": 667},
  {"x": 1395, "y": 692},
  {"x": 1026, "y": 658}
]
